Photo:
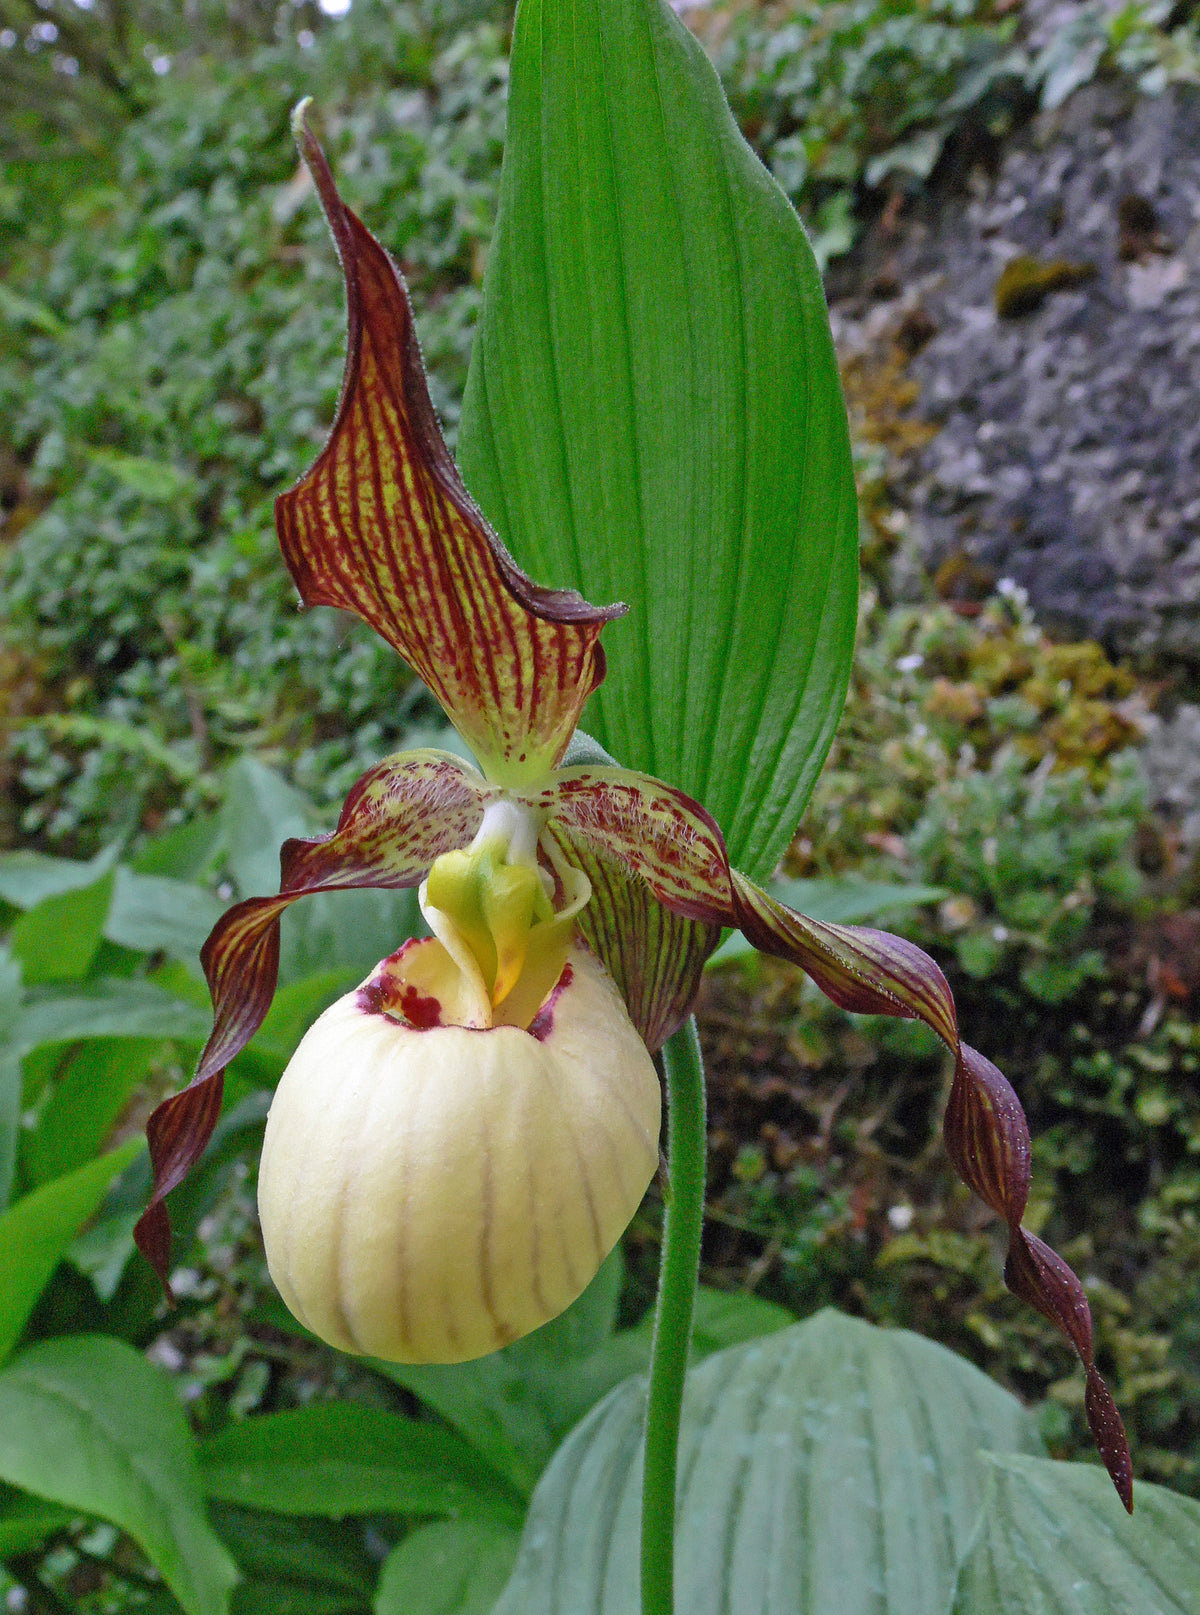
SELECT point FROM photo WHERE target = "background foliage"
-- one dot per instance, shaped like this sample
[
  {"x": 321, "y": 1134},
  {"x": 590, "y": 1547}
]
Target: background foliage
[{"x": 171, "y": 329}]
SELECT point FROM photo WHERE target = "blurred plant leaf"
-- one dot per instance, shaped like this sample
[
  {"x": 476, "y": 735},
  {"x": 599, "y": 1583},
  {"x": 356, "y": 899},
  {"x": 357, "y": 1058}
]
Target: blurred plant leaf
[
  {"x": 832, "y": 1465},
  {"x": 10, "y": 1070},
  {"x": 36, "y": 1231},
  {"x": 157, "y": 914},
  {"x": 135, "y": 740},
  {"x": 352, "y": 930},
  {"x": 456, "y": 1567},
  {"x": 1053, "y": 1537},
  {"x": 108, "y": 1008},
  {"x": 152, "y": 479},
  {"x": 185, "y": 852},
  {"x": 26, "y": 1522},
  {"x": 293, "y": 1010},
  {"x": 28, "y": 878},
  {"x": 21, "y": 311},
  {"x": 343, "y": 1458},
  {"x": 653, "y": 412},
  {"x": 728, "y": 1317},
  {"x": 296, "y": 1566},
  {"x": 57, "y": 939},
  {"x": 88, "y": 1423},
  {"x": 260, "y": 810},
  {"x": 93, "y": 1088}
]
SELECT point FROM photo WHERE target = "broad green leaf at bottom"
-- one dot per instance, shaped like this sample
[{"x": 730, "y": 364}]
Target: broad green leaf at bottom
[
  {"x": 87, "y": 1422},
  {"x": 829, "y": 1469},
  {"x": 1053, "y": 1540}
]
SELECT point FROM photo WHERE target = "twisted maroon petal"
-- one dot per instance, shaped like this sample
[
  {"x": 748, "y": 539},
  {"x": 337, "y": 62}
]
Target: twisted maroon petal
[
  {"x": 399, "y": 817},
  {"x": 986, "y": 1133}
]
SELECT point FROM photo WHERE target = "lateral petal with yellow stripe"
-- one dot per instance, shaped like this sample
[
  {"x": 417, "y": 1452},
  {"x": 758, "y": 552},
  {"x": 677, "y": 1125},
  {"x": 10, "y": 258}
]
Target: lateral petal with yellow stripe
[{"x": 656, "y": 831}]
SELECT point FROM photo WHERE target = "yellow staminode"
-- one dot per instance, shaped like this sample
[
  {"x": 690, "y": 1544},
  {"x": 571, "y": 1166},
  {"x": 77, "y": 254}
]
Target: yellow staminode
[{"x": 492, "y": 908}]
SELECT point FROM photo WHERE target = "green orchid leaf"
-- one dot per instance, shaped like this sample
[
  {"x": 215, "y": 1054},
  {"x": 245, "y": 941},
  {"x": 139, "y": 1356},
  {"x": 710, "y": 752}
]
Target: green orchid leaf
[
  {"x": 148, "y": 913},
  {"x": 653, "y": 412},
  {"x": 186, "y": 852},
  {"x": 296, "y": 1565},
  {"x": 1053, "y": 1540},
  {"x": 88, "y": 1423},
  {"x": 259, "y": 811},
  {"x": 350, "y": 930},
  {"x": 342, "y": 1458},
  {"x": 830, "y": 1466},
  {"x": 36, "y": 1231},
  {"x": 28, "y": 878},
  {"x": 456, "y": 1567},
  {"x": 293, "y": 1010},
  {"x": 156, "y": 914}
]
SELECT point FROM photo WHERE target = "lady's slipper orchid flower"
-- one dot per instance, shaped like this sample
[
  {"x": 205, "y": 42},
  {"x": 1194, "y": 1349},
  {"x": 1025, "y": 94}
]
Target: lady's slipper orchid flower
[{"x": 457, "y": 1144}]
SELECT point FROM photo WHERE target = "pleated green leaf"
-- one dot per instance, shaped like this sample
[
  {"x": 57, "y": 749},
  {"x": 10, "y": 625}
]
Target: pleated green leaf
[
  {"x": 343, "y": 1458},
  {"x": 88, "y": 1423},
  {"x": 1053, "y": 1540},
  {"x": 653, "y": 412},
  {"x": 829, "y": 1467}
]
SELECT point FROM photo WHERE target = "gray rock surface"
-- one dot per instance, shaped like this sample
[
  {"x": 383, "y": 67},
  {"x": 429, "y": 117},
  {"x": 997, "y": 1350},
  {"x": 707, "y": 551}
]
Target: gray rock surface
[
  {"x": 1170, "y": 755},
  {"x": 1068, "y": 449}
]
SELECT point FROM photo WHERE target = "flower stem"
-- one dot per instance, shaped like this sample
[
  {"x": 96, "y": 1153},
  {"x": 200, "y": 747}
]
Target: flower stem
[{"x": 683, "y": 1219}]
